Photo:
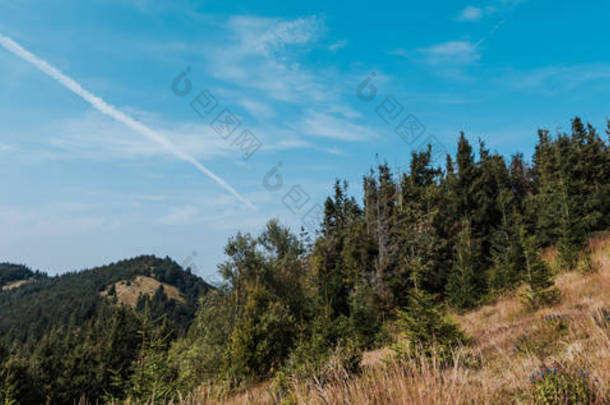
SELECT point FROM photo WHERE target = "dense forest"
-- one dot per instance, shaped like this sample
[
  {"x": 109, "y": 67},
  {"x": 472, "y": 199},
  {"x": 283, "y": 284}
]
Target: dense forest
[
  {"x": 62, "y": 337},
  {"x": 421, "y": 242}
]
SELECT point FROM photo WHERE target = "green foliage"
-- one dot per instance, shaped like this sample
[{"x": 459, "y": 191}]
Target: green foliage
[
  {"x": 364, "y": 319},
  {"x": 28, "y": 312},
  {"x": 13, "y": 272},
  {"x": 427, "y": 330},
  {"x": 154, "y": 378},
  {"x": 262, "y": 337},
  {"x": 8, "y": 387},
  {"x": 544, "y": 337},
  {"x": 558, "y": 386},
  {"x": 82, "y": 345},
  {"x": 464, "y": 284},
  {"x": 586, "y": 264},
  {"x": 541, "y": 289},
  {"x": 201, "y": 356}
]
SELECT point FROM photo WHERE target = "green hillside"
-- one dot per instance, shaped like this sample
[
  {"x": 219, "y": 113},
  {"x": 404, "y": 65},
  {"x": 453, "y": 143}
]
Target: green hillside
[
  {"x": 10, "y": 274},
  {"x": 30, "y": 310},
  {"x": 64, "y": 335}
]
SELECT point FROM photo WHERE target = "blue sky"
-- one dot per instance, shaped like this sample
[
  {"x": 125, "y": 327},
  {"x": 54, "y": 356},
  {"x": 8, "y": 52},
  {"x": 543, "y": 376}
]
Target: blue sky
[{"x": 80, "y": 188}]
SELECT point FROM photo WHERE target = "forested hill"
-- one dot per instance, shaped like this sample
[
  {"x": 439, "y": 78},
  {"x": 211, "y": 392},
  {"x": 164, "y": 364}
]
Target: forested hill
[
  {"x": 31, "y": 303},
  {"x": 13, "y": 275}
]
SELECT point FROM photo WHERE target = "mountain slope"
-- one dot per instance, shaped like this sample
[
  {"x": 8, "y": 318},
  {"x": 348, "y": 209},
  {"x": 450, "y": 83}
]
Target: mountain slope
[
  {"x": 13, "y": 275},
  {"x": 27, "y": 312},
  {"x": 511, "y": 348}
]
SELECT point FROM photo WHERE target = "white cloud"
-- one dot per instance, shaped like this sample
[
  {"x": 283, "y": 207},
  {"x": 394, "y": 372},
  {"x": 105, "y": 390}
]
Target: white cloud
[
  {"x": 335, "y": 151},
  {"x": 451, "y": 53},
  {"x": 261, "y": 54},
  {"x": 55, "y": 221},
  {"x": 93, "y": 136},
  {"x": 337, "y": 45},
  {"x": 322, "y": 124},
  {"x": 471, "y": 13},
  {"x": 266, "y": 35},
  {"x": 554, "y": 79},
  {"x": 181, "y": 216},
  {"x": 257, "y": 108},
  {"x": 291, "y": 144},
  {"x": 493, "y": 7}
]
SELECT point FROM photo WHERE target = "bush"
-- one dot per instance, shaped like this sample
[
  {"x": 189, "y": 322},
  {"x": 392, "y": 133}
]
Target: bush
[
  {"x": 557, "y": 386},
  {"x": 263, "y": 336},
  {"x": 545, "y": 336},
  {"x": 201, "y": 356},
  {"x": 586, "y": 264},
  {"x": 427, "y": 330}
]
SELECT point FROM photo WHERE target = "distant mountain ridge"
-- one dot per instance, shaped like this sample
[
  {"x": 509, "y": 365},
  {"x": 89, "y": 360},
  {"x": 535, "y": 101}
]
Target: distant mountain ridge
[
  {"x": 40, "y": 303},
  {"x": 12, "y": 273}
]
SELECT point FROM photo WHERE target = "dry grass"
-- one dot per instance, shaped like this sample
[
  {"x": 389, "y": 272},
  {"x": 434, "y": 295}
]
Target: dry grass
[
  {"x": 128, "y": 292},
  {"x": 510, "y": 344},
  {"x": 15, "y": 284}
]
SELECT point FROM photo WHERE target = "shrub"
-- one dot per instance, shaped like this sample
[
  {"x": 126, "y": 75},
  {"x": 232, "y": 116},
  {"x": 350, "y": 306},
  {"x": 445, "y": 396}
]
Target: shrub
[
  {"x": 427, "y": 330},
  {"x": 541, "y": 290},
  {"x": 557, "y": 386},
  {"x": 544, "y": 337},
  {"x": 201, "y": 356},
  {"x": 263, "y": 336},
  {"x": 586, "y": 264}
]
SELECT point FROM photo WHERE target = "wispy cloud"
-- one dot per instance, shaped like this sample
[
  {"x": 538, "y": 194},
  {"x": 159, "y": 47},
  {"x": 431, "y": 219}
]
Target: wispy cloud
[
  {"x": 262, "y": 57},
  {"x": 94, "y": 136},
  {"x": 181, "y": 216},
  {"x": 451, "y": 53},
  {"x": 259, "y": 54},
  {"x": 470, "y": 13},
  {"x": 554, "y": 79},
  {"x": 334, "y": 127},
  {"x": 107, "y": 109},
  {"x": 265, "y": 35},
  {"x": 337, "y": 45},
  {"x": 488, "y": 9},
  {"x": 257, "y": 108}
]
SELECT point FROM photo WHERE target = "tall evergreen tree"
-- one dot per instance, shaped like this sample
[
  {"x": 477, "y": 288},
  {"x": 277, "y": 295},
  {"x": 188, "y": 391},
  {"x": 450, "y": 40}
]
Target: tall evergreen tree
[
  {"x": 541, "y": 289},
  {"x": 464, "y": 282}
]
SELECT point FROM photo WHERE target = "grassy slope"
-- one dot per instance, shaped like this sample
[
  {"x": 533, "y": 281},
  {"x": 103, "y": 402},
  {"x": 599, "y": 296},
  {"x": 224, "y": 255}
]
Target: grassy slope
[
  {"x": 510, "y": 342},
  {"x": 129, "y": 292}
]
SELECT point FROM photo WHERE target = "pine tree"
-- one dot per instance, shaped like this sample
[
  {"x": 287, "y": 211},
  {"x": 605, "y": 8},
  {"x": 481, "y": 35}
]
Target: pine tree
[
  {"x": 464, "y": 282},
  {"x": 262, "y": 337},
  {"x": 542, "y": 290},
  {"x": 507, "y": 251},
  {"x": 426, "y": 329},
  {"x": 153, "y": 378},
  {"x": 8, "y": 387}
]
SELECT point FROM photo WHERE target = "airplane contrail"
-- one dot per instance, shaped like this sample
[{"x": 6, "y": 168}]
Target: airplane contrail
[{"x": 99, "y": 104}]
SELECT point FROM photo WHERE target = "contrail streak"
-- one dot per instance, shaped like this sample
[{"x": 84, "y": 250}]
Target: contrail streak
[{"x": 105, "y": 108}]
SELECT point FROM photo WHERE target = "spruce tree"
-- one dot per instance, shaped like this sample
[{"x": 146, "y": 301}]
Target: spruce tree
[
  {"x": 427, "y": 330},
  {"x": 507, "y": 252},
  {"x": 541, "y": 287},
  {"x": 464, "y": 282}
]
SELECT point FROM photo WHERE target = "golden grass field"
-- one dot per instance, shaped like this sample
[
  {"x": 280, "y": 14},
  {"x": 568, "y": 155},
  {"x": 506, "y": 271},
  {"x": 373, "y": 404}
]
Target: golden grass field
[{"x": 128, "y": 293}]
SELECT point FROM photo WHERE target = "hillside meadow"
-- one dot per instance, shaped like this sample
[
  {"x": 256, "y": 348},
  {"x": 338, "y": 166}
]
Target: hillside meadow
[{"x": 512, "y": 349}]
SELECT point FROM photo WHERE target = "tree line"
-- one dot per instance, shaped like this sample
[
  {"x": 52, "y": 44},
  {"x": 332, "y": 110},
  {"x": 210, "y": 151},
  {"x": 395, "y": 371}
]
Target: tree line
[{"x": 420, "y": 242}]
